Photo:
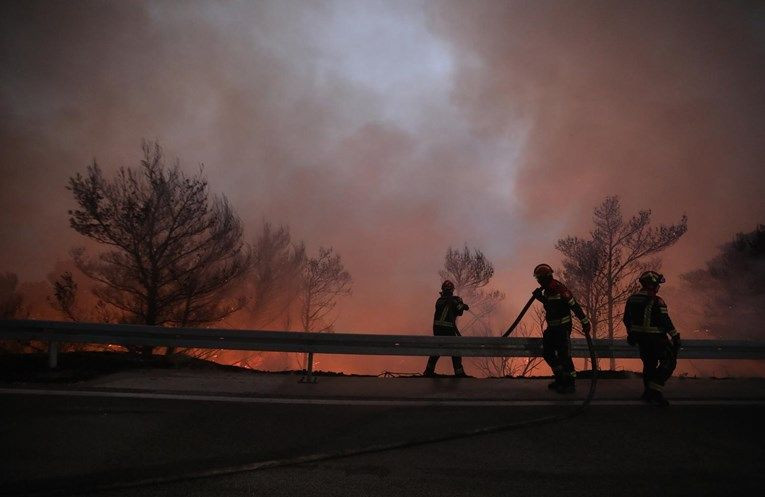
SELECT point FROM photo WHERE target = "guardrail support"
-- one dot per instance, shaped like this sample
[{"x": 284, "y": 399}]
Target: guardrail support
[
  {"x": 308, "y": 377},
  {"x": 52, "y": 355}
]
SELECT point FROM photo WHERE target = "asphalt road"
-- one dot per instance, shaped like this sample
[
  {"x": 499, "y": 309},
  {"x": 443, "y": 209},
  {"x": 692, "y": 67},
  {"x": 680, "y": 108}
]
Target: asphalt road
[{"x": 74, "y": 445}]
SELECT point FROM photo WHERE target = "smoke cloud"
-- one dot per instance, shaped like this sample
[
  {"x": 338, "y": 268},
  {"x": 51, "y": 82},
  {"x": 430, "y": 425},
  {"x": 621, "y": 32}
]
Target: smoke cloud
[
  {"x": 391, "y": 130},
  {"x": 658, "y": 102}
]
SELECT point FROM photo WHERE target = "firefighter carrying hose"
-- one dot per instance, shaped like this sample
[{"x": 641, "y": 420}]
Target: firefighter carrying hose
[
  {"x": 556, "y": 339},
  {"x": 648, "y": 325},
  {"x": 448, "y": 307}
]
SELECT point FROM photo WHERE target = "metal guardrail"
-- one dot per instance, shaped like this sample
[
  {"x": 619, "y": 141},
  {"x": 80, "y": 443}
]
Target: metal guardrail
[{"x": 55, "y": 332}]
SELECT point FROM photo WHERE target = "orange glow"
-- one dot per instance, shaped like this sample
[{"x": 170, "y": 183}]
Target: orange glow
[{"x": 391, "y": 134}]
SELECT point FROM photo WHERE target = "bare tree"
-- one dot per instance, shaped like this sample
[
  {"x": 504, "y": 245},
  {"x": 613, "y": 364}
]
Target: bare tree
[
  {"x": 324, "y": 281},
  {"x": 471, "y": 272},
  {"x": 583, "y": 275},
  {"x": 173, "y": 249},
  {"x": 274, "y": 283},
  {"x": 467, "y": 269},
  {"x": 501, "y": 367},
  {"x": 602, "y": 271}
]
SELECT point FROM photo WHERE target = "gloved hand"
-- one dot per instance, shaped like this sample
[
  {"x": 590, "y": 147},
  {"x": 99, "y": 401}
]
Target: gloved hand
[
  {"x": 676, "y": 344},
  {"x": 586, "y": 327},
  {"x": 538, "y": 294},
  {"x": 631, "y": 339}
]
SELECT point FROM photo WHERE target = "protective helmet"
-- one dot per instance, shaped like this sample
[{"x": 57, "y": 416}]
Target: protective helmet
[
  {"x": 543, "y": 271},
  {"x": 447, "y": 286},
  {"x": 651, "y": 278}
]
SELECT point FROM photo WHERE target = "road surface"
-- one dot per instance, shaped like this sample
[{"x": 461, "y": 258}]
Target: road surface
[{"x": 165, "y": 433}]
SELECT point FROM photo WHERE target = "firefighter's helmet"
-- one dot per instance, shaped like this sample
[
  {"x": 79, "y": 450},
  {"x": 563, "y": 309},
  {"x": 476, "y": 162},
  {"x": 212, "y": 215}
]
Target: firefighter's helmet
[
  {"x": 543, "y": 271},
  {"x": 651, "y": 278},
  {"x": 447, "y": 286}
]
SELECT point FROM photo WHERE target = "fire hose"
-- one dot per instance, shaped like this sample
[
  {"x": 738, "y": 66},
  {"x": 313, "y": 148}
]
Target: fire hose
[
  {"x": 593, "y": 357},
  {"x": 319, "y": 457},
  {"x": 520, "y": 316}
]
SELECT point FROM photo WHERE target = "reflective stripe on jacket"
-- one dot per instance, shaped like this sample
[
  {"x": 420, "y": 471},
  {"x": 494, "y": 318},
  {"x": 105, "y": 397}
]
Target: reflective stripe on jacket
[
  {"x": 559, "y": 302},
  {"x": 447, "y": 309},
  {"x": 645, "y": 312}
]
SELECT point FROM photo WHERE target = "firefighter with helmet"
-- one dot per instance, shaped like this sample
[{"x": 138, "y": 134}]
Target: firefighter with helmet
[
  {"x": 556, "y": 339},
  {"x": 448, "y": 307},
  {"x": 650, "y": 328}
]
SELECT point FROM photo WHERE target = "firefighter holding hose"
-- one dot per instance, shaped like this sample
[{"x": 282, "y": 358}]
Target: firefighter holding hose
[
  {"x": 556, "y": 339},
  {"x": 448, "y": 307}
]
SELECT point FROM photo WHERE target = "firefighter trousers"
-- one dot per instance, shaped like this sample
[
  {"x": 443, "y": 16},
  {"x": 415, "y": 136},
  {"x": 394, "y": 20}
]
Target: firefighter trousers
[
  {"x": 659, "y": 359},
  {"x": 456, "y": 360},
  {"x": 556, "y": 351}
]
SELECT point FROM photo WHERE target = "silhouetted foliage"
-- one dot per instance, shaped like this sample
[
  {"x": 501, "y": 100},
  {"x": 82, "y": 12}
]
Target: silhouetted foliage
[
  {"x": 471, "y": 272},
  {"x": 324, "y": 280},
  {"x": 173, "y": 249},
  {"x": 500, "y": 367},
  {"x": 65, "y": 295},
  {"x": 468, "y": 270},
  {"x": 273, "y": 285},
  {"x": 10, "y": 300},
  {"x": 731, "y": 290},
  {"x": 65, "y": 299},
  {"x": 602, "y": 271},
  {"x": 12, "y": 307}
]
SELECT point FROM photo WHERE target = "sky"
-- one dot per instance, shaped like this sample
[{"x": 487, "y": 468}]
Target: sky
[{"x": 393, "y": 130}]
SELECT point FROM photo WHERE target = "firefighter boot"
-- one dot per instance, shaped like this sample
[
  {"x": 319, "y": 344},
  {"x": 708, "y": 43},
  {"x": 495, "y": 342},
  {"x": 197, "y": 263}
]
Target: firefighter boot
[
  {"x": 557, "y": 379},
  {"x": 566, "y": 383},
  {"x": 430, "y": 369},
  {"x": 567, "y": 387},
  {"x": 655, "y": 397}
]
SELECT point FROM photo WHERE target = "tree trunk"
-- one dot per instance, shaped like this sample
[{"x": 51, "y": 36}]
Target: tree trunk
[
  {"x": 594, "y": 335},
  {"x": 611, "y": 360},
  {"x": 610, "y": 299},
  {"x": 151, "y": 319}
]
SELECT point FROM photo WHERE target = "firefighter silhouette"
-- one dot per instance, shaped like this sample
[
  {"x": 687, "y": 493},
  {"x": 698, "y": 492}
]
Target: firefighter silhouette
[
  {"x": 448, "y": 307},
  {"x": 556, "y": 339},
  {"x": 650, "y": 328}
]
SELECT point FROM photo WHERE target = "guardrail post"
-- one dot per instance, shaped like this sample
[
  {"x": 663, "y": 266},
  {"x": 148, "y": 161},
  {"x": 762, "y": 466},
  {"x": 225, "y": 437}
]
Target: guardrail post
[
  {"x": 52, "y": 355},
  {"x": 308, "y": 377}
]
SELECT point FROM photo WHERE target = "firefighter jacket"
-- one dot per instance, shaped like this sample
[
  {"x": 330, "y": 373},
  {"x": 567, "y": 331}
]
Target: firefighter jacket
[
  {"x": 559, "y": 302},
  {"x": 448, "y": 307},
  {"x": 646, "y": 312}
]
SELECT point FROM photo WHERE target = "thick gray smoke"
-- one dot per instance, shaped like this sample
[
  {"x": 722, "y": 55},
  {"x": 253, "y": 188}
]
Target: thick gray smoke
[
  {"x": 661, "y": 103},
  {"x": 391, "y": 130}
]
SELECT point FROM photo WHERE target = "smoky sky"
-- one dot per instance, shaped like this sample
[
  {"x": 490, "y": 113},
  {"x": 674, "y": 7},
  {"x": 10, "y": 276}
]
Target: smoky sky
[{"x": 392, "y": 130}]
